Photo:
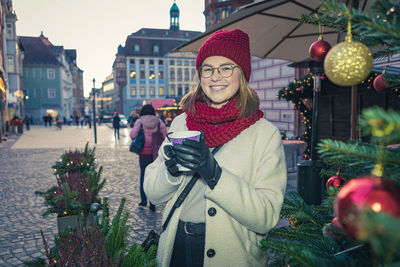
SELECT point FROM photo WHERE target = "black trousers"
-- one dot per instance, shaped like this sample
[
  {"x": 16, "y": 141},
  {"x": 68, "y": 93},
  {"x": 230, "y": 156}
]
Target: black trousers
[{"x": 189, "y": 245}]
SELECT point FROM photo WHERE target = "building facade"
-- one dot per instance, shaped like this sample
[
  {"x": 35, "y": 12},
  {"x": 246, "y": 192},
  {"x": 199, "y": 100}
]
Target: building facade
[
  {"x": 15, "y": 95},
  {"x": 78, "y": 102},
  {"x": 4, "y": 118},
  {"x": 107, "y": 93},
  {"x": 217, "y": 10},
  {"x": 145, "y": 69},
  {"x": 48, "y": 79}
]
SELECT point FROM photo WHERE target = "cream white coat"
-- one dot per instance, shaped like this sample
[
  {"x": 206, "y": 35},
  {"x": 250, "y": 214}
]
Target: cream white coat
[{"x": 247, "y": 198}]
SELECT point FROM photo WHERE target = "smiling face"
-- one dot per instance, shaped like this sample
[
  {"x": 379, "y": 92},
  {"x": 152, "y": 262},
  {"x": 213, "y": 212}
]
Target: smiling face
[{"x": 217, "y": 88}]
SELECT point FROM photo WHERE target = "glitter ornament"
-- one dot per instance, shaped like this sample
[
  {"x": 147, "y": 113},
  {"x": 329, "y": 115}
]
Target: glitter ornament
[
  {"x": 335, "y": 181},
  {"x": 379, "y": 83},
  {"x": 378, "y": 195},
  {"x": 319, "y": 49},
  {"x": 348, "y": 63}
]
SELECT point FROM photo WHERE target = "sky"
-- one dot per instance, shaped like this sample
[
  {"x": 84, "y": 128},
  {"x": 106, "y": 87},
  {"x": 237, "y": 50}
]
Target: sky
[{"x": 95, "y": 28}]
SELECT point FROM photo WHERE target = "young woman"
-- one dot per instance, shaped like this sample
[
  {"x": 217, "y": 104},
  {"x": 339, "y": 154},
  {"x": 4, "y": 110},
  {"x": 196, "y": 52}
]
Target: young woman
[
  {"x": 241, "y": 188},
  {"x": 150, "y": 123}
]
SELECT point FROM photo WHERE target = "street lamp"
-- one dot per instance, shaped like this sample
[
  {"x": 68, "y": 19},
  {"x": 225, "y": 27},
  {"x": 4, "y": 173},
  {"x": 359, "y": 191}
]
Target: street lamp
[{"x": 94, "y": 110}]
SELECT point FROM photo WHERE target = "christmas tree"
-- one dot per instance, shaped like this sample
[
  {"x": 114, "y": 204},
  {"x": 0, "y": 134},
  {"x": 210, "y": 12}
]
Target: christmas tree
[{"x": 358, "y": 223}]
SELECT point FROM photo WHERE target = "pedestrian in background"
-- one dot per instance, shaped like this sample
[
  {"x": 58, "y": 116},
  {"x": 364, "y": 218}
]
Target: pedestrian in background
[
  {"x": 27, "y": 122},
  {"x": 150, "y": 123},
  {"x": 116, "y": 121},
  {"x": 238, "y": 196}
]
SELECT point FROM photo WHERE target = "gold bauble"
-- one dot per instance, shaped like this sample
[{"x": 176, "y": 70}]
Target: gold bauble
[{"x": 348, "y": 63}]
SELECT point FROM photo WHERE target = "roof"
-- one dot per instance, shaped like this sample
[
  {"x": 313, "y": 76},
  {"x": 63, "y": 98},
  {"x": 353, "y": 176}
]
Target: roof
[
  {"x": 165, "y": 39},
  {"x": 174, "y": 8},
  {"x": 36, "y": 52}
]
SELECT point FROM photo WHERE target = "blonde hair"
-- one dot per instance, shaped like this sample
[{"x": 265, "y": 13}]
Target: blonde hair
[{"x": 247, "y": 99}]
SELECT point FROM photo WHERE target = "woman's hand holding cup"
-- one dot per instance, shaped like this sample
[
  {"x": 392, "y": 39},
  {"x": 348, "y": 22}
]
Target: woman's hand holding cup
[{"x": 167, "y": 149}]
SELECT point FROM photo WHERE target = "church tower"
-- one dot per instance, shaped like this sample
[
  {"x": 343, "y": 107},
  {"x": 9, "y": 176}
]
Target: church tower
[{"x": 174, "y": 17}]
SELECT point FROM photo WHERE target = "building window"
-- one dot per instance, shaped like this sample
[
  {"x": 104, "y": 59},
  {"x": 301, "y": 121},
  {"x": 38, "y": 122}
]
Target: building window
[
  {"x": 186, "y": 63},
  {"x": 156, "y": 49},
  {"x": 10, "y": 63},
  {"x": 172, "y": 62},
  {"x": 133, "y": 90},
  {"x": 186, "y": 89},
  {"x": 161, "y": 75},
  {"x": 51, "y": 93},
  {"x": 193, "y": 73},
  {"x": 151, "y": 62},
  {"x": 141, "y": 62},
  {"x": 9, "y": 31},
  {"x": 133, "y": 74},
  {"x": 152, "y": 76},
  {"x": 193, "y": 63},
  {"x": 136, "y": 48},
  {"x": 152, "y": 91},
  {"x": 161, "y": 91},
  {"x": 172, "y": 74},
  {"x": 187, "y": 75},
  {"x": 179, "y": 63},
  {"x": 132, "y": 61},
  {"x": 160, "y": 62},
  {"x": 179, "y": 75},
  {"x": 142, "y": 75},
  {"x": 172, "y": 90},
  {"x": 51, "y": 74},
  {"x": 142, "y": 91},
  {"x": 179, "y": 90}
]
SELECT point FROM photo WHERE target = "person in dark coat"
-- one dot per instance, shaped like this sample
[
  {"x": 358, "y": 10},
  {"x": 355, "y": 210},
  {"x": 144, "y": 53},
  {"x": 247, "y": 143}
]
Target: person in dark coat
[{"x": 116, "y": 121}]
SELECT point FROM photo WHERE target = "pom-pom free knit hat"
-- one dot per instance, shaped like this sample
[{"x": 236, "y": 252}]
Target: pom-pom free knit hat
[{"x": 233, "y": 44}]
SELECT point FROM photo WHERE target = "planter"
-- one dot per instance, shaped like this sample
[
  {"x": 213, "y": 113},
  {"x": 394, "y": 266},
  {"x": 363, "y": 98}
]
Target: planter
[{"x": 67, "y": 223}]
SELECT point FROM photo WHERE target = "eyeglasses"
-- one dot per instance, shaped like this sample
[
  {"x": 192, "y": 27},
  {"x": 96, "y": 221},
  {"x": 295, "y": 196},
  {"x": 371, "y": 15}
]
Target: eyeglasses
[{"x": 225, "y": 71}]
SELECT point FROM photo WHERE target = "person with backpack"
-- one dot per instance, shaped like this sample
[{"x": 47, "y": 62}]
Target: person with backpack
[{"x": 152, "y": 126}]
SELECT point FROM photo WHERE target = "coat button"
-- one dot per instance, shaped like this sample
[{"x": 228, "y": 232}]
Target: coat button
[
  {"x": 210, "y": 253},
  {"x": 212, "y": 211}
]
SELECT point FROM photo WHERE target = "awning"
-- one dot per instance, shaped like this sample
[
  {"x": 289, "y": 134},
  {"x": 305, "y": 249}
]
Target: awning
[{"x": 157, "y": 103}]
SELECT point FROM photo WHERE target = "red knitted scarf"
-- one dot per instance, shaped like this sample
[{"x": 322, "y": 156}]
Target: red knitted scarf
[{"x": 219, "y": 125}]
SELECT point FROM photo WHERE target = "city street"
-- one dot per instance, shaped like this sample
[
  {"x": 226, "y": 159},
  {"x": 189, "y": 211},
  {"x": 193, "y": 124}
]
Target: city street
[{"x": 25, "y": 166}]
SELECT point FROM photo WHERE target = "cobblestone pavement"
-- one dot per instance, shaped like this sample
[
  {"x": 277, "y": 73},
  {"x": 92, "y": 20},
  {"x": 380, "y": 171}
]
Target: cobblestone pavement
[{"x": 25, "y": 166}]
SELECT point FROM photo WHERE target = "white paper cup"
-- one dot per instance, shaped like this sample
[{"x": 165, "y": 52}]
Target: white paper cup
[{"x": 176, "y": 138}]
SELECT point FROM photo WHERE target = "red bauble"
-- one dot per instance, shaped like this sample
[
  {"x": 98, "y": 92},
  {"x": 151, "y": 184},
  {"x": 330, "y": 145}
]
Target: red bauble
[
  {"x": 319, "y": 49},
  {"x": 335, "y": 181},
  {"x": 379, "y": 83},
  {"x": 365, "y": 193}
]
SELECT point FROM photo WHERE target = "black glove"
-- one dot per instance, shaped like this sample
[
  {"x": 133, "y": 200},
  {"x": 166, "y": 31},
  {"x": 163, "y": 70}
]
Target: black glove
[
  {"x": 171, "y": 163},
  {"x": 198, "y": 157}
]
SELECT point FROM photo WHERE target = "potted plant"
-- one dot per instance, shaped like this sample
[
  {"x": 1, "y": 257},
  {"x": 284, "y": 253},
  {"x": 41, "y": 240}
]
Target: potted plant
[{"x": 78, "y": 185}]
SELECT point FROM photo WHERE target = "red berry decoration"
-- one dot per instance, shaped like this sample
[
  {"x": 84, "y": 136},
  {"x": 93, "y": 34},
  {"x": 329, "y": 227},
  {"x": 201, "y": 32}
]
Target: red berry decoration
[
  {"x": 319, "y": 49},
  {"x": 335, "y": 181},
  {"x": 365, "y": 193},
  {"x": 379, "y": 83}
]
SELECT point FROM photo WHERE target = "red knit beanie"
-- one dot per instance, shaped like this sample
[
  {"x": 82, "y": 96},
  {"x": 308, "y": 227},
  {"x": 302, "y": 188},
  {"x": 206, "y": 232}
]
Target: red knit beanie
[{"x": 233, "y": 44}]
